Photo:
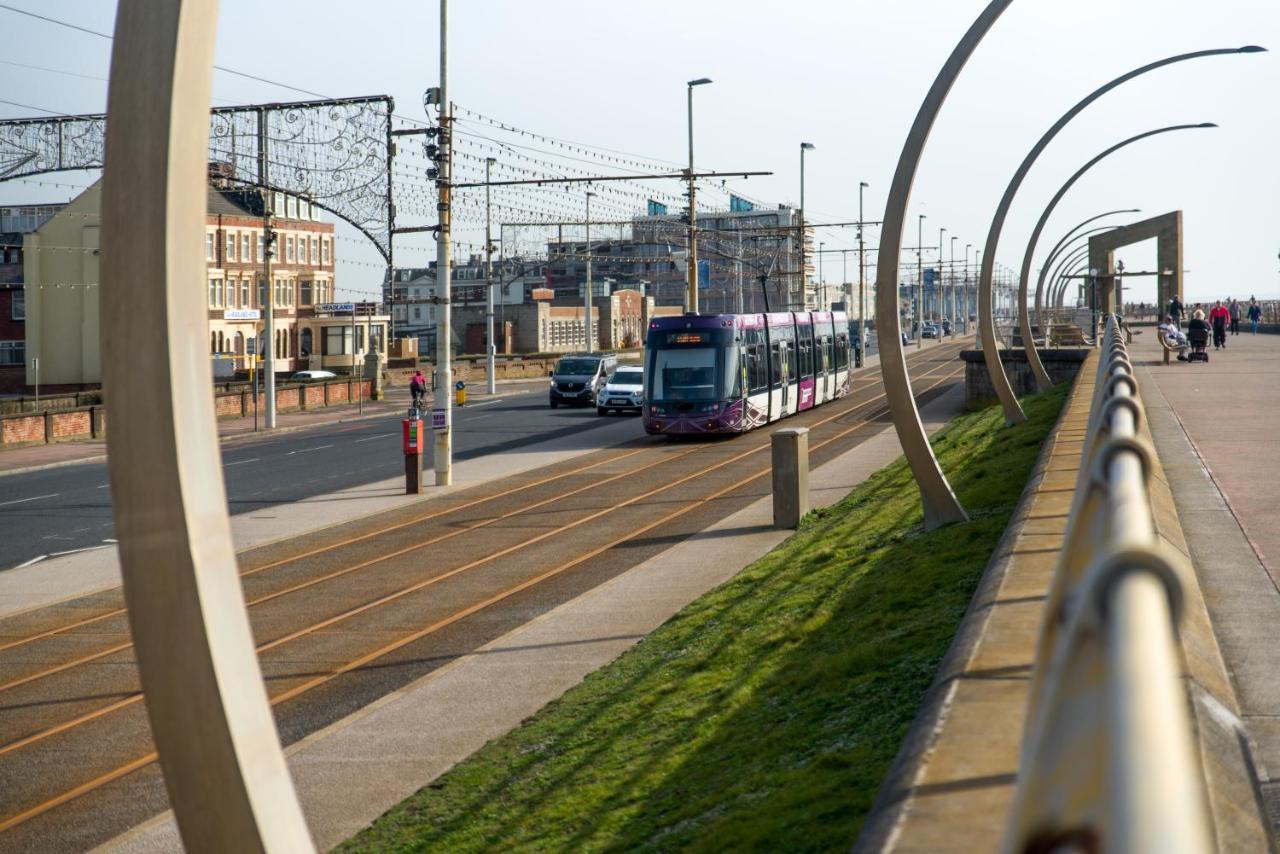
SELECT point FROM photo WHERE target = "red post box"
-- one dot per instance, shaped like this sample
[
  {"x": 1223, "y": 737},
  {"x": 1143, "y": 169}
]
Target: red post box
[{"x": 413, "y": 446}]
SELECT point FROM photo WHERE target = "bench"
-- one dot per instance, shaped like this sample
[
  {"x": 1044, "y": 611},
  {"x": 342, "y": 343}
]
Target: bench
[{"x": 1166, "y": 347}]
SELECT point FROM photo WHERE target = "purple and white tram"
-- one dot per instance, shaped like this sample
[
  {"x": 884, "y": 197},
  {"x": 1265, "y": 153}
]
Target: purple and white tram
[{"x": 730, "y": 373}]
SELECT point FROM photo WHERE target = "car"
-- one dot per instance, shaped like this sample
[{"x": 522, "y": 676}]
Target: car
[
  {"x": 312, "y": 376},
  {"x": 624, "y": 392},
  {"x": 929, "y": 331},
  {"x": 576, "y": 378},
  {"x": 946, "y": 327}
]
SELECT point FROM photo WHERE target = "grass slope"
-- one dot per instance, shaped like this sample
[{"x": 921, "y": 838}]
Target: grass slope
[{"x": 764, "y": 715}]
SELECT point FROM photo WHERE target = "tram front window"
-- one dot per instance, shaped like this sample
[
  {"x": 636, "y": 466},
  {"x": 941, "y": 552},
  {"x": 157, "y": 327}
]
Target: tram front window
[{"x": 686, "y": 374}]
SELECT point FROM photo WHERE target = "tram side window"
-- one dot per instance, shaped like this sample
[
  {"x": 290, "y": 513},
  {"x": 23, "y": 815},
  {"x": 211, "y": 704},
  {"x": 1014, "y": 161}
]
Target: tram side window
[
  {"x": 775, "y": 364},
  {"x": 791, "y": 361},
  {"x": 842, "y": 352},
  {"x": 806, "y": 356},
  {"x": 824, "y": 346},
  {"x": 757, "y": 370}
]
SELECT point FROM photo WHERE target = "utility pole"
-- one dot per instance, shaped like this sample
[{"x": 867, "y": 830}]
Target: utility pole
[
  {"x": 804, "y": 242},
  {"x": 937, "y": 283},
  {"x": 586, "y": 307},
  {"x": 691, "y": 297},
  {"x": 918, "y": 317},
  {"x": 491, "y": 384},
  {"x": 952, "y": 265},
  {"x": 442, "y": 456},
  {"x": 268, "y": 341},
  {"x": 862, "y": 278},
  {"x": 822, "y": 278},
  {"x": 741, "y": 308}
]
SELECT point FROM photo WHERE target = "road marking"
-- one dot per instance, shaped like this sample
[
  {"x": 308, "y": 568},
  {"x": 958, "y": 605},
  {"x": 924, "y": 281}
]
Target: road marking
[
  {"x": 240, "y": 462},
  {"x": 33, "y": 560},
  {"x": 371, "y": 438},
  {"x": 104, "y": 486},
  {"x": 32, "y": 498},
  {"x": 308, "y": 450},
  {"x": 77, "y": 551}
]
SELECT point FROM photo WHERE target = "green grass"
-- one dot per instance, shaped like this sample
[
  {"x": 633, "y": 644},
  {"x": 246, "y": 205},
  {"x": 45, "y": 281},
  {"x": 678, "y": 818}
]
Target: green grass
[{"x": 764, "y": 715}]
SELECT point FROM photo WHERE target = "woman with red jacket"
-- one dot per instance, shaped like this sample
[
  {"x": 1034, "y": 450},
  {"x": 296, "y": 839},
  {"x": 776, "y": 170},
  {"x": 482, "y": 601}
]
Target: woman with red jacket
[{"x": 1218, "y": 318}]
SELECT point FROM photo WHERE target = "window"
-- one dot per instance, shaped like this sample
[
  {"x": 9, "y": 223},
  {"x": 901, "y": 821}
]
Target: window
[
  {"x": 208, "y": 246},
  {"x": 337, "y": 340},
  {"x": 262, "y": 293},
  {"x": 306, "y": 343},
  {"x": 313, "y": 252},
  {"x": 244, "y": 249},
  {"x": 215, "y": 293},
  {"x": 305, "y": 287},
  {"x": 244, "y": 293},
  {"x": 19, "y": 305},
  {"x": 324, "y": 246},
  {"x": 288, "y": 249},
  {"x": 261, "y": 250},
  {"x": 417, "y": 312},
  {"x": 13, "y": 352},
  {"x": 231, "y": 246}
]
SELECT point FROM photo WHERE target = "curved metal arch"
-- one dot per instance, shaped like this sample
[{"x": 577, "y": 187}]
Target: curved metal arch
[
  {"x": 1052, "y": 259},
  {"x": 986, "y": 322},
  {"x": 1066, "y": 278},
  {"x": 1060, "y": 245},
  {"x": 941, "y": 506},
  {"x": 223, "y": 765}
]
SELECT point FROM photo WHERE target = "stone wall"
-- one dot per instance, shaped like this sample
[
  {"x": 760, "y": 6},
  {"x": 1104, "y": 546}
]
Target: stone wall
[{"x": 1061, "y": 363}]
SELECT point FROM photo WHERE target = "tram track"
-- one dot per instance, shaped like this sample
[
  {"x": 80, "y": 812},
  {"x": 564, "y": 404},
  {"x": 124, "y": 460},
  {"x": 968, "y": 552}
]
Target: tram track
[{"x": 526, "y": 542}]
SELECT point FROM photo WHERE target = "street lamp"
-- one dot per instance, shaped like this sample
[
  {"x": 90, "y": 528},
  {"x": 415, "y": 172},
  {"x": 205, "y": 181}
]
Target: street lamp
[
  {"x": 822, "y": 279},
  {"x": 952, "y": 266},
  {"x": 862, "y": 281},
  {"x": 917, "y": 315},
  {"x": 586, "y": 317},
  {"x": 691, "y": 298},
  {"x": 490, "y": 349},
  {"x": 804, "y": 146},
  {"x": 937, "y": 283}
]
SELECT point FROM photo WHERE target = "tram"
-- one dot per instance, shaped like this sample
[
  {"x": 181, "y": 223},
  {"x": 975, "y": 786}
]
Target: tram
[{"x": 730, "y": 373}]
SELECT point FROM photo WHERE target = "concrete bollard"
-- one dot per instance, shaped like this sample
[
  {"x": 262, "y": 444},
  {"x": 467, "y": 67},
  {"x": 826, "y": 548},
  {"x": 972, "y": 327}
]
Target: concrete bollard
[{"x": 790, "y": 447}]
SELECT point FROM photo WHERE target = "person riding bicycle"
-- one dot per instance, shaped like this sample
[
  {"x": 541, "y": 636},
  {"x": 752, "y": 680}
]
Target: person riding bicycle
[{"x": 418, "y": 388}]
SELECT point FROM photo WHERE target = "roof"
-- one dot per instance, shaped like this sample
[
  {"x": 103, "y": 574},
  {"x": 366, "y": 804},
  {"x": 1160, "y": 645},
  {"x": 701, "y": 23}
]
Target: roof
[{"x": 234, "y": 202}]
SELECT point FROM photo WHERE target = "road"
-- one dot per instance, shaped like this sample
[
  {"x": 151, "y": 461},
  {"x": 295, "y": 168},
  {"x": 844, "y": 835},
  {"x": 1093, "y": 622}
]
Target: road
[
  {"x": 59, "y": 510},
  {"x": 347, "y": 614}
]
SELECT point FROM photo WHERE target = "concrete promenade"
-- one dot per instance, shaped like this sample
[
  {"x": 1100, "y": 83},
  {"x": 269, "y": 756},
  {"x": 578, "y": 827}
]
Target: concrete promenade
[{"x": 1217, "y": 429}]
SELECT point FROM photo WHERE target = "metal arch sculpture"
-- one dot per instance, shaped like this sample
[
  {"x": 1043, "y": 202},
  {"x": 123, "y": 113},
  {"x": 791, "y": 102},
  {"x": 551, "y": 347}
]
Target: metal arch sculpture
[
  {"x": 1064, "y": 265},
  {"x": 1081, "y": 263},
  {"x": 337, "y": 154},
  {"x": 1049, "y": 262},
  {"x": 986, "y": 321},
  {"x": 223, "y": 765},
  {"x": 1061, "y": 246},
  {"x": 941, "y": 506},
  {"x": 1053, "y": 203}
]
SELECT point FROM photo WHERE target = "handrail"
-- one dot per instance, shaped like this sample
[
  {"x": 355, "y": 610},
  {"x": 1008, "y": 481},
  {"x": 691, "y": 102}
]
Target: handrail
[{"x": 1108, "y": 760}]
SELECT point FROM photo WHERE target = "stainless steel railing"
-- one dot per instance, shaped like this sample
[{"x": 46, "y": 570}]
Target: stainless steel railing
[{"x": 1108, "y": 760}]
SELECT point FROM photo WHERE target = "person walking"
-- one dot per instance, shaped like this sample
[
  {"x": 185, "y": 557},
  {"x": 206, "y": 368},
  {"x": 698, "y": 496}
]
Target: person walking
[
  {"x": 1218, "y": 316},
  {"x": 1233, "y": 311},
  {"x": 1255, "y": 314},
  {"x": 1175, "y": 310}
]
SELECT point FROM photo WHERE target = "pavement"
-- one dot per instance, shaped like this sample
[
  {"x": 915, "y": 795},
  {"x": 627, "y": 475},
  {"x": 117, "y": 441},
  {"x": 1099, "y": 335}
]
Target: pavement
[
  {"x": 406, "y": 739},
  {"x": 1216, "y": 430}
]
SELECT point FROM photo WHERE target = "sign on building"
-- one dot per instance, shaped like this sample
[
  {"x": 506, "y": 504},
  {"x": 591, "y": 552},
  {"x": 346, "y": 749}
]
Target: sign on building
[{"x": 657, "y": 208}]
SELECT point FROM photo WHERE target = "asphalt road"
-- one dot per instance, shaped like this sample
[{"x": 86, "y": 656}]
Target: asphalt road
[{"x": 59, "y": 510}]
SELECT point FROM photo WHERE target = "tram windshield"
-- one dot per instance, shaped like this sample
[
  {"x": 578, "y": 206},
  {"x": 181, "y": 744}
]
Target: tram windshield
[{"x": 692, "y": 366}]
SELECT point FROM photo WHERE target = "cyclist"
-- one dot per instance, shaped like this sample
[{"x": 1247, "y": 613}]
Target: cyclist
[{"x": 418, "y": 388}]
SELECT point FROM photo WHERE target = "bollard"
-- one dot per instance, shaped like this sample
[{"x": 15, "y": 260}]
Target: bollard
[
  {"x": 460, "y": 393},
  {"x": 413, "y": 444},
  {"x": 790, "y": 447}
]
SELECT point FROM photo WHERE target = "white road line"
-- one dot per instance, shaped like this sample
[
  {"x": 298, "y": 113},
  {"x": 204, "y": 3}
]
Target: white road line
[
  {"x": 32, "y": 498},
  {"x": 308, "y": 450},
  {"x": 77, "y": 551},
  {"x": 104, "y": 486},
  {"x": 240, "y": 462},
  {"x": 371, "y": 438},
  {"x": 33, "y": 560}
]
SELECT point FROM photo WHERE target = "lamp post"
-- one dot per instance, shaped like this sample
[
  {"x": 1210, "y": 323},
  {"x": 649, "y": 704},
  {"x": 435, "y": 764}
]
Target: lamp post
[
  {"x": 586, "y": 314},
  {"x": 1053, "y": 254},
  {"x": 964, "y": 291},
  {"x": 804, "y": 261},
  {"x": 862, "y": 279},
  {"x": 937, "y": 283},
  {"x": 490, "y": 348},
  {"x": 952, "y": 266},
  {"x": 822, "y": 278},
  {"x": 691, "y": 298},
  {"x": 917, "y": 316}
]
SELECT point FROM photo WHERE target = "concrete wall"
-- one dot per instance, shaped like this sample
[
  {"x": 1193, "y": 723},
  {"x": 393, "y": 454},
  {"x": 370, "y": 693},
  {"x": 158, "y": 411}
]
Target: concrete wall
[{"x": 1061, "y": 363}]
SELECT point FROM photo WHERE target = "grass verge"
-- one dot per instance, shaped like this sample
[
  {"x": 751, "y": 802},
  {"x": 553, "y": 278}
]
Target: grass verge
[{"x": 764, "y": 715}]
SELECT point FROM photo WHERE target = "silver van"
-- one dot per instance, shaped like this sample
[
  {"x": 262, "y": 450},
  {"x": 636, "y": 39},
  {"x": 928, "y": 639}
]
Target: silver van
[{"x": 578, "y": 377}]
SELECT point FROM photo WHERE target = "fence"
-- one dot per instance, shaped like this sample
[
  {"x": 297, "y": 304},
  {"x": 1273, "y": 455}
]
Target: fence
[
  {"x": 90, "y": 422},
  {"x": 1107, "y": 760}
]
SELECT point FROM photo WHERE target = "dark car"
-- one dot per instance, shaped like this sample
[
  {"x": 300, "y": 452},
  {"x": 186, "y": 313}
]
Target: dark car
[{"x": 577, "y": 378}]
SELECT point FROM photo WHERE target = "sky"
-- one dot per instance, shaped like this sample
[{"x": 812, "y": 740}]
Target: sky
[{"x": 846, "y": 76}]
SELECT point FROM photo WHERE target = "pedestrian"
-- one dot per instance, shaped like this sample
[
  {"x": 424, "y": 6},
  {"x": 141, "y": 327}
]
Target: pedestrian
[
  {"x": 1175, "y": 310},
  {"x": 1233, "y": 311},
  {"x": 1174, "y": 337},
  {"x": 1255, "y": 314},
  {"x": 1218, "y": 316},
  {"x": 418, "y": 388}
]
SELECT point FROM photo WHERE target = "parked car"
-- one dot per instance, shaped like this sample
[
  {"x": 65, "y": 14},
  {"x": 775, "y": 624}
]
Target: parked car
[
  {"x": 312, "y": 376},
  {"x": 624, "y": 392},
  {"x": 930, "y": 331},
  {"x": 576, "y": 378}
]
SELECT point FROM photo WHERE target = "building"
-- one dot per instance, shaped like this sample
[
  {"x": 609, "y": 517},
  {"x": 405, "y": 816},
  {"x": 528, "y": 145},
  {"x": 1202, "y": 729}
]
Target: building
[
  {"x": 415, "y": 311},
  {"x": 62, "y": 292},
  {"x": 14, "y": 223},
  {"x": 619, "y": 321}
]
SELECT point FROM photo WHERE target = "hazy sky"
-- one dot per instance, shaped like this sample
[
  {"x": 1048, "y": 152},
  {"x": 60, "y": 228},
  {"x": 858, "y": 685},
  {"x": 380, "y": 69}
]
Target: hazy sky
[{"x": 846, "y": 76}]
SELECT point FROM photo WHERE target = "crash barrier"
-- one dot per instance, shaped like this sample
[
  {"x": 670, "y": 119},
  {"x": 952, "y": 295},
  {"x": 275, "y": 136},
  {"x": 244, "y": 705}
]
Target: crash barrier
[{"x": 1108, "y": 760}]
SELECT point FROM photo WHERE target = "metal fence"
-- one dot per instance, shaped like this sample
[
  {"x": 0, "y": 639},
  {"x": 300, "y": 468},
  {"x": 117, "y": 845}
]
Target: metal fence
[{"x": 1108, "y": 761}]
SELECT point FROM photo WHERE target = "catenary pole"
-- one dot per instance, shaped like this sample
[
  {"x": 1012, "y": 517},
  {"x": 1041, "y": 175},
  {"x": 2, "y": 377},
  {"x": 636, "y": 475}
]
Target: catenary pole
[
  {"x": 267, "y": 343},
  {"x": 442, "y": 456},
  {"x": 490, "y": 347},
  {"x": 586, "y": 299}
]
